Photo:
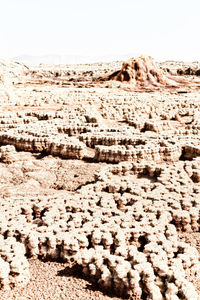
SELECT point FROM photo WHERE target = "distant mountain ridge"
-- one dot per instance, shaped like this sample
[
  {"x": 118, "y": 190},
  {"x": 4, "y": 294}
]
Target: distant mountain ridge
[{"x": 55, "y": 59}]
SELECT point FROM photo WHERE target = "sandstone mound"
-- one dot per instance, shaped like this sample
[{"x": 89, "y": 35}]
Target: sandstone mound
[{"x": 143, "y": 71}]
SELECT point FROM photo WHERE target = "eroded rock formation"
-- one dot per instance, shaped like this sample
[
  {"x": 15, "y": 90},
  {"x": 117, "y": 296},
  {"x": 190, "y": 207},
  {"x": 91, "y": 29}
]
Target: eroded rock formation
[
  {"x": 144, "y": 72},
  {"x": 122, "y": 223}
]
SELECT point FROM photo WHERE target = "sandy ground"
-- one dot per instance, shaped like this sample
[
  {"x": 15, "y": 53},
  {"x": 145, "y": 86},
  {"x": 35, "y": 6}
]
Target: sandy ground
[
  {"x": 194, "y": 240},
  {"x": 52, "y": 280}
]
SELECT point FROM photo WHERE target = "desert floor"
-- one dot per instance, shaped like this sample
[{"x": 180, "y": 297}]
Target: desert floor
[{"x": 99, "y": 182}]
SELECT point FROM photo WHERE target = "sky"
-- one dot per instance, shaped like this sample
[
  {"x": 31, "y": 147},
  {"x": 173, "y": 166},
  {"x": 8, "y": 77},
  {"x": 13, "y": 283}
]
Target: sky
[{"x": 164, "y": 29}]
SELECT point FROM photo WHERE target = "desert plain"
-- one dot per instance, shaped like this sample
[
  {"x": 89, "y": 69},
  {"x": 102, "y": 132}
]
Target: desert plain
[{"x": 100, "y": 180}]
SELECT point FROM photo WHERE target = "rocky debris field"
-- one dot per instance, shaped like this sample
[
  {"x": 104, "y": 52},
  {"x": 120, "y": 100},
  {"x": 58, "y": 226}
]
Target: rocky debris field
[{"x": 101, "y": 176}]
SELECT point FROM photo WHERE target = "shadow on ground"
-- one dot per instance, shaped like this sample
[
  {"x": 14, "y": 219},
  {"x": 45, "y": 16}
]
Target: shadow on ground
[{"x": 92, "y": 285}]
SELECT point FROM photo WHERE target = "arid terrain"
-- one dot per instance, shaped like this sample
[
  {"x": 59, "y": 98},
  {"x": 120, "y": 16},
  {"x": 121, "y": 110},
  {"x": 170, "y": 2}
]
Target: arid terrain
[{"x": 100, "y": 181}]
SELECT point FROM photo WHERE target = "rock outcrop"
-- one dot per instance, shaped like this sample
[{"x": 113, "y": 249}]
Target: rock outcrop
[
  {"x": 139, "y": 155},
  {"x": 144, "y": 72}
]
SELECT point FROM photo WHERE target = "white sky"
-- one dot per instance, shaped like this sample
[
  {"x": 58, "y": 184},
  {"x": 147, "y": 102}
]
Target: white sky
[{"x": 164, "y": 29}]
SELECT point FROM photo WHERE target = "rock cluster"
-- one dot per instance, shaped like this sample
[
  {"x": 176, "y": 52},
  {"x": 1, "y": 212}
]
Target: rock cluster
[
  {"x": 181, "y": 68},
  {"x": 14, "y": 266},
  {"x": 122, "y": 225},
  {"x": 65, "y": 148},
  {"x": 147, "y": 152},
  {"x": 118, "y": 229}
]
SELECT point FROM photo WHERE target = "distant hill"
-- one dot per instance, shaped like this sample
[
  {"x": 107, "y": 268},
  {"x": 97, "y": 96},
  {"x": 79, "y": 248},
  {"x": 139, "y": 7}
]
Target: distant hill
[{"x": 69, "y": 59}]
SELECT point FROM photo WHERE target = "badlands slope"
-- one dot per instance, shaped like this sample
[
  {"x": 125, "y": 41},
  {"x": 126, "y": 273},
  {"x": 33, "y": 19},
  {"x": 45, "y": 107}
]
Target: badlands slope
[{"x": 100, "y": 181}]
